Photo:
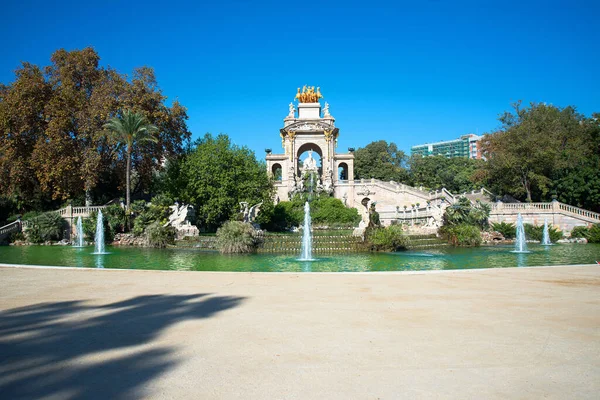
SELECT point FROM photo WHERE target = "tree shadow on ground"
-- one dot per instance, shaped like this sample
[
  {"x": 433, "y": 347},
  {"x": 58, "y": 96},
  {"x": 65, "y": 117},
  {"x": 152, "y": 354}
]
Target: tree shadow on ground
[{"x": 41, "y": 346}]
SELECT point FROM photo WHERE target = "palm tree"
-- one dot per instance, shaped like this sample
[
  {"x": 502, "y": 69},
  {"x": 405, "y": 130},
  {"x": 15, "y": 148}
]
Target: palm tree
[{"x": 128, "y": 130}]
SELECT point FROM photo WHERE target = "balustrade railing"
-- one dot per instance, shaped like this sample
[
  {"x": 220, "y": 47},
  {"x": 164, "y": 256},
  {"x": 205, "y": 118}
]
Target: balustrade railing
[
  {"x": 10, "y": 228},
  {"x": 545, "y": 207},
  {"x": 579, "y": 211}
]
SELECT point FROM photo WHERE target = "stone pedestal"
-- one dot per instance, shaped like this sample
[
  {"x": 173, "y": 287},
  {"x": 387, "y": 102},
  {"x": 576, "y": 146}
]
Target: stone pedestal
[{"x": 309, "y": 110}]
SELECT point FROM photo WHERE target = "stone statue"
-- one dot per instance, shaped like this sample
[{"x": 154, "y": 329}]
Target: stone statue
[
  {"x": 253, "y": 213},
  {"x": 326, "y": 110},
  {"x": 292, "y": 111},
  {"x": 308, "y": 94},
  {"x": 249, "y": 215},
  {"x": 180, "y": 220},
  {"x": 244, "y": 210},
  {"x": 345, "y": 198},
  {"x": 310, "y": 163}
]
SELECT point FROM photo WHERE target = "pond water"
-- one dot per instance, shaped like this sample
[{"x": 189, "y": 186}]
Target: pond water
[{"x": 193, "y": 260}]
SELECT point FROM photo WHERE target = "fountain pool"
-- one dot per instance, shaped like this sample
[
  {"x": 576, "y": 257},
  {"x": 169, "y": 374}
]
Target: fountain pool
[{"x": 447, "y": 258}]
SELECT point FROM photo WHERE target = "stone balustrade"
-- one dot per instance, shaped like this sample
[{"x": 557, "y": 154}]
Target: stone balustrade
[
  {"x": 9, "y": 228},
  {"x": 561, "y": 215}
]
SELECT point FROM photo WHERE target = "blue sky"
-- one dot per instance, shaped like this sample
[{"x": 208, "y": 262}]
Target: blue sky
[{"x": 407, "y": 72}]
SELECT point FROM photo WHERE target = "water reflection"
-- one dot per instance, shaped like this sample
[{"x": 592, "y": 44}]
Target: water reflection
[{"x": 100, "y": 261}]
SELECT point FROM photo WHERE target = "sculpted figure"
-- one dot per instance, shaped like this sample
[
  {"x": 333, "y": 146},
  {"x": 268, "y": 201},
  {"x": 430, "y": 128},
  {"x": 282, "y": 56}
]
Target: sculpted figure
[
  {"x": 326, "y": 109},
  {"x": 309, "y": 163},
  {"x": 292, "y": 110},
  {"x": 254, "y": 212},
  {"x": 244, "y": 210}
]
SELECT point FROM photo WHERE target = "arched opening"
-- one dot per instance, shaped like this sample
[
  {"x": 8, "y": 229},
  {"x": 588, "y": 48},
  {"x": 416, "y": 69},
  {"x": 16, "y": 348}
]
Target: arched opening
[
  {"x": 276, "y": 172},
  {"x": 343, "y": 172},
  {"x": 310, "y": 158}
]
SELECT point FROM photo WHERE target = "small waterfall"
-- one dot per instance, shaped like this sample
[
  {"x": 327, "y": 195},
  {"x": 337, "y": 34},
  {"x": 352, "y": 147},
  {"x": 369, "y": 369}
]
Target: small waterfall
[
  {"x": 99, "y": 234},
  {"x": 78, "y": 242},
  {"x": 306, "y": 252},
  {"x": 546, "y": 237},
  {"x": 520, "y": 244}
]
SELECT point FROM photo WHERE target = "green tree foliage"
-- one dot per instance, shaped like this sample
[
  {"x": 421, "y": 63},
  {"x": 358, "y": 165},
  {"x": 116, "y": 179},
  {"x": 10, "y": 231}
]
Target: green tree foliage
[
  {"x": 380, "y": 160},
  {"x": 236, "y": 237},
  {"x": 578, "y": 184},
  {"x": 216, "y": 176},
  {"x": 457, "y": 174},
  {"x": 128, "y": 130},
  {"x": 52, "y": 143},
  {"x": 533, "y": 144},
  {"x": 324, "y": 211},
  {"x": 533, "y": 232}
]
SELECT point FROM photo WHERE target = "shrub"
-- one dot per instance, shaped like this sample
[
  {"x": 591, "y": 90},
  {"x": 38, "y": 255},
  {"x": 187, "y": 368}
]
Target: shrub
[
  {"x": 390, "y": 238},
  {"x": 594, "y": 236},
  {"x": 160, "y": 236},
  {"x": 508, "y": 230},
  {"x": 537, "y": 232},
  {"x": 47, "y": 226},
  {"x": 462, "y": 234},
  {"x": 463, "y": 212},
  {"x": 112, "y": 222},
  {"x": 157, "y": 211},
  {"x": 116, "y": 218},
  {"x": 580, "y": 232},
  {"x": 236, "y": 237}
]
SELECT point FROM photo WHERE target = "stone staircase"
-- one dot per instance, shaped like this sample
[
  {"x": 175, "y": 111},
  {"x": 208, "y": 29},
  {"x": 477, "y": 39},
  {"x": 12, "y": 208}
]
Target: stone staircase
[{"x": 420, "y": 242}]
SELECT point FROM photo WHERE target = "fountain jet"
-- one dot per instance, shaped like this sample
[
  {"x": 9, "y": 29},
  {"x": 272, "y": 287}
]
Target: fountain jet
[
  {"x": 546, "y": 235},
  {"x": 99, "y": 234},
  {"x": 306, "y": 251},
  {"x": 78, "y": 242},
  {"x": 520, "y": 244}
]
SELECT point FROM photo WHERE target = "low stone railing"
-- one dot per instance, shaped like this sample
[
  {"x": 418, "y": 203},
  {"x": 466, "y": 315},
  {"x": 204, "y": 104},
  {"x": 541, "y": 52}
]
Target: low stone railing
[
  {"x": 552, "y": 207},
  {"x": 10, "y": 228},
  {"x": 83, "y": 211}
]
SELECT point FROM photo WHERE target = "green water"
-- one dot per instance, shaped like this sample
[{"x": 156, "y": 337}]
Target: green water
[{"x": 193, "y": 260}]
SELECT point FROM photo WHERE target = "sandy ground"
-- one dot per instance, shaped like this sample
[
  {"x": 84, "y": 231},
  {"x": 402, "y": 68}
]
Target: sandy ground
[{"x": 531, "y": 333}]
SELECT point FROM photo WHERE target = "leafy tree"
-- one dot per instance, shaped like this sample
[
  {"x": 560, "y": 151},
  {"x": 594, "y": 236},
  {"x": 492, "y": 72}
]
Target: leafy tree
[
  {"x": 579, "y": 184},
  {"x": 128, "y": 130},
  {"x": 217, "y": 175},
  {"x": 533, "y": 143},
  {"x": 52, "y": 144},
  {"x": 456, "y": 174},
  {"x": 380, "y": 160}
]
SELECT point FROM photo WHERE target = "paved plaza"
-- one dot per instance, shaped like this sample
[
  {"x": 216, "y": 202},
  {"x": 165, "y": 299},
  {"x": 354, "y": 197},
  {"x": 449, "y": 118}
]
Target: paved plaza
[{"x": 514, "y": 333}]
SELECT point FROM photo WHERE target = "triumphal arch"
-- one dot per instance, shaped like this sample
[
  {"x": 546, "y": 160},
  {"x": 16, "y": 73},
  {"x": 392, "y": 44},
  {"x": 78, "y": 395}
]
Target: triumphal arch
[{"x": 309, "y": 128}]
